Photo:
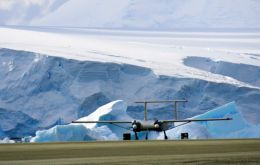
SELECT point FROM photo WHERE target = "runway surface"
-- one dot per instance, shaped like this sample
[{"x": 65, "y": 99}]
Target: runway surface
[{"x": 233, "y": 151}]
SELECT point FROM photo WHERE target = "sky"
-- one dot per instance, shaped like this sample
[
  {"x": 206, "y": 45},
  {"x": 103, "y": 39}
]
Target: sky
[
  {"x": 21, "y": 12},
  {"x": 143, "y": 14}
]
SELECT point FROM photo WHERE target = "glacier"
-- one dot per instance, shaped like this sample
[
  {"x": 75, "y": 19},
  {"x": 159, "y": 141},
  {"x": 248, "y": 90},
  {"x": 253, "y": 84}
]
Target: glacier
[
  {"x": 238, "y": 127},
  {"x": 38, "y": 91}
]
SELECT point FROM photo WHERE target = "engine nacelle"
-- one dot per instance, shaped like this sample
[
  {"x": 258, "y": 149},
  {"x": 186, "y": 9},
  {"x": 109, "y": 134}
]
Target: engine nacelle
[
  {"x": 148, "y": 125},
  {"x": 156, "y": 126}
]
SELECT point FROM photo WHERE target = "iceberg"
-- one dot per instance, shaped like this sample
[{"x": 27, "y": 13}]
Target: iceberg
[
  {"x": 238, "y": 127},
  {"x": 115, "y": 110},
  {"x": 221, "y": 129},
  {"x": 7, "y": 140},
  {"x": 71, "y": 132}
]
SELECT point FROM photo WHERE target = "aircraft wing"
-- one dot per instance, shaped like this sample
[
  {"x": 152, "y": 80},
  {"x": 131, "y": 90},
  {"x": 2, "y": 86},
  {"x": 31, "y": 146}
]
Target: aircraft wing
[
  {"x": 195, "y": 120},
  {"x": 108, "y": 121}
]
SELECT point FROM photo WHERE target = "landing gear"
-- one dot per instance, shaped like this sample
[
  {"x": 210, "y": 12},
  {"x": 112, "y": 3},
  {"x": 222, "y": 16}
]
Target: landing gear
[
  {"x": 146, "y": 136},
  {"x": 165, "y": 136},
  {"x": 136, "y": 137}
]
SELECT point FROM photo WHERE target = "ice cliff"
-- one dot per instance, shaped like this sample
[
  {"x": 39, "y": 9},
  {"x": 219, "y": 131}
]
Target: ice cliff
[{"x": 39, "y": 91}]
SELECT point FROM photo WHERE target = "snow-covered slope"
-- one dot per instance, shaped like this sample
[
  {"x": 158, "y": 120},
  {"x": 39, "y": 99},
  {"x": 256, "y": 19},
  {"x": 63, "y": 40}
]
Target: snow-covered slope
[
  {"x": 161, "y": 51},
  {"x": 155, "y": 14},
  {"x": 117, "y": 111}
]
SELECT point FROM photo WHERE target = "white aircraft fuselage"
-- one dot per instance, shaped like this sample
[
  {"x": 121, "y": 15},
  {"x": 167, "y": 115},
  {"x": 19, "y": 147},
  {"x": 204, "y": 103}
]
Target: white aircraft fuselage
[{"x": 149, "y": 125}]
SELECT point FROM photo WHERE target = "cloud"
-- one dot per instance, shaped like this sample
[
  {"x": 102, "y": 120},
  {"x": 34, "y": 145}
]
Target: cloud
[
  {"x": 10, "y": 4},
  {"x": 6, "y": 4},
  {"x": 21, "y": 12}
]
